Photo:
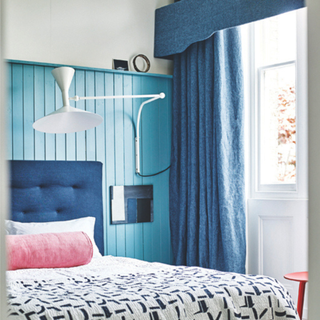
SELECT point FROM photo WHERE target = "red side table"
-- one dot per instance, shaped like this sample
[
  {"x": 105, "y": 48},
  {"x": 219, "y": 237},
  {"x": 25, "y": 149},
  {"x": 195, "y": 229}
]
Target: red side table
[{"x": 301, "y": 277}]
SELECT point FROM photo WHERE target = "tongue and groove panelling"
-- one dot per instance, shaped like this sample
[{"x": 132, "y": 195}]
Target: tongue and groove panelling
[{"x": 33, "y": 93}]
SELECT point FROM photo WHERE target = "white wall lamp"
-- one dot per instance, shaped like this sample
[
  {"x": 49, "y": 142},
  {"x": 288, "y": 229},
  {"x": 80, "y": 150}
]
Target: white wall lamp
[{"x": 68, "y": 119}]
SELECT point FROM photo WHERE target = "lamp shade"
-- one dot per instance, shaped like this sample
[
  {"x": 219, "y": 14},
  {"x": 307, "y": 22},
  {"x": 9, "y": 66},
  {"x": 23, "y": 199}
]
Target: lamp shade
[{"x": 67, "y": 119}]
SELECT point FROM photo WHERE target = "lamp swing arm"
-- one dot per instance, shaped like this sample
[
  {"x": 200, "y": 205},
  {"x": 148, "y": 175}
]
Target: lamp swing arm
[
  {"x": 156, "y": 96},
  {"x": 137, "y": 138}
]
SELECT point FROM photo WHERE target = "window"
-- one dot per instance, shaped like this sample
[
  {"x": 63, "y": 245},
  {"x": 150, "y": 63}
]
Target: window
[
  {"x": 278, "y": 83},
  {"x": 277, "y": 124}
]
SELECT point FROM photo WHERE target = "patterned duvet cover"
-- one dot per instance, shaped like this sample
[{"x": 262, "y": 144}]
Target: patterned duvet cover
[{"x": 127, "y": 289}]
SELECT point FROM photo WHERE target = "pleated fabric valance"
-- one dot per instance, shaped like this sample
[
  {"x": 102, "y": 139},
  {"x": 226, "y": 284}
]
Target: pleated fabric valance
[{"x": 183, "y": 23}]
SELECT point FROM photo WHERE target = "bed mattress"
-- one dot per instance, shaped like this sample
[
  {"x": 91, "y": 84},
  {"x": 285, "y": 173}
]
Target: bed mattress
[{"x": 124, "y": 288}]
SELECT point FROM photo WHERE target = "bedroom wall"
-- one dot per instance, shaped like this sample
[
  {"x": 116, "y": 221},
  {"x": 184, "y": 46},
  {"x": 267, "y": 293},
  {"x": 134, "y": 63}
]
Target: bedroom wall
[
  {"x": 32, "y": 93},
  {"x": 314, "y": 154},
  {"x": 87, "y": 33}
]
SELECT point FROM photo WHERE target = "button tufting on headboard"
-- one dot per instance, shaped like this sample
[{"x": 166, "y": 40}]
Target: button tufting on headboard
[{"x": 43, "y": 191}]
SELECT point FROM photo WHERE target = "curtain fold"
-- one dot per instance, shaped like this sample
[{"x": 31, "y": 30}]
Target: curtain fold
[{"x": 207, "y": 201}]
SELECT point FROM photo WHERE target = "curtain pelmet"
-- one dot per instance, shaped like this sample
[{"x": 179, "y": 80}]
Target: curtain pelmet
[{"x": 185, "y": 22}]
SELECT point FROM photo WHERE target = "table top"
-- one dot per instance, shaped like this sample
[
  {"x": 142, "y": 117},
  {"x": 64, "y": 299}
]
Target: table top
[{"x": 297, "y": 276}]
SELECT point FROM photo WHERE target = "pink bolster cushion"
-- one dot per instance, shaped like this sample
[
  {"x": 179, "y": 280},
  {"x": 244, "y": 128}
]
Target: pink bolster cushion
[{"x": 48, "y": 250}]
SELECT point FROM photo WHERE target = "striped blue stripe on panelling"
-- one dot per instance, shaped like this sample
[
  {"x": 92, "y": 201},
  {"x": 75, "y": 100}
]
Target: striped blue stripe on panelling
[
  {"x": 50, "y": 100},
  {"x": 17, "y": 112},
  {"x": 39, "y": 111},
  {"x": 33, "y": 93}
]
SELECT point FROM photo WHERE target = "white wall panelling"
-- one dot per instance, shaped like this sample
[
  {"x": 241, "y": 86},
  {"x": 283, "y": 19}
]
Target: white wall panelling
[{"x": 277, "y": 240}]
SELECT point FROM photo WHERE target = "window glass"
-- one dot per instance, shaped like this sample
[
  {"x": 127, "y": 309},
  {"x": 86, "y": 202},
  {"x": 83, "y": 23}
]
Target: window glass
[
  {"x": 278, "y": 125},
  {"x": 275, "y": 55}
]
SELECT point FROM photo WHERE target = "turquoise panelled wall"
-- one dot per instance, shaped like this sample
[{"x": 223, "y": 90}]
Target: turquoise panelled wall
[{"x": 33, "y": 93}]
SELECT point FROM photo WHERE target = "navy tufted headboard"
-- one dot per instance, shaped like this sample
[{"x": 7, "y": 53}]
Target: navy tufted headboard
[{"x": 57, "y": 191}]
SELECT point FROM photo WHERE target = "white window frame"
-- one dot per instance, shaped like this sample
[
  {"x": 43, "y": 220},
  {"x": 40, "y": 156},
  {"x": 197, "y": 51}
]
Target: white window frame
[{"x": 283, "y": 190}]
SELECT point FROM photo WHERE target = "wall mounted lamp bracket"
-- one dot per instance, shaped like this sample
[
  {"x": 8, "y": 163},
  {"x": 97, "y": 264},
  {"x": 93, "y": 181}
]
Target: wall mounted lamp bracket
[{"x": 68, "y": 119}]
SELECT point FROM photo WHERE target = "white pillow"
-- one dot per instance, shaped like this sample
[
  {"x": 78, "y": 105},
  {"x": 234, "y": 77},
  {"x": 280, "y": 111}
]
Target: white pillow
[{"x": 82, "y": 224}]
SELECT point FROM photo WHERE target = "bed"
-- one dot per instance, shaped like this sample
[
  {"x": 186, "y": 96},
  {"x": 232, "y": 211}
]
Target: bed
[{"x": 115, "y": 287}]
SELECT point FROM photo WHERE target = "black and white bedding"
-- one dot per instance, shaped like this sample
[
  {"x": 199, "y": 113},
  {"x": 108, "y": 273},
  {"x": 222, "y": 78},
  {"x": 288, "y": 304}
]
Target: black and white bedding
[{"x": 123, "y": 288}]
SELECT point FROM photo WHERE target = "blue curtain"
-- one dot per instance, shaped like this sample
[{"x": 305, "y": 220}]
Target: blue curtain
[{"x": 207, "y": 200}]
